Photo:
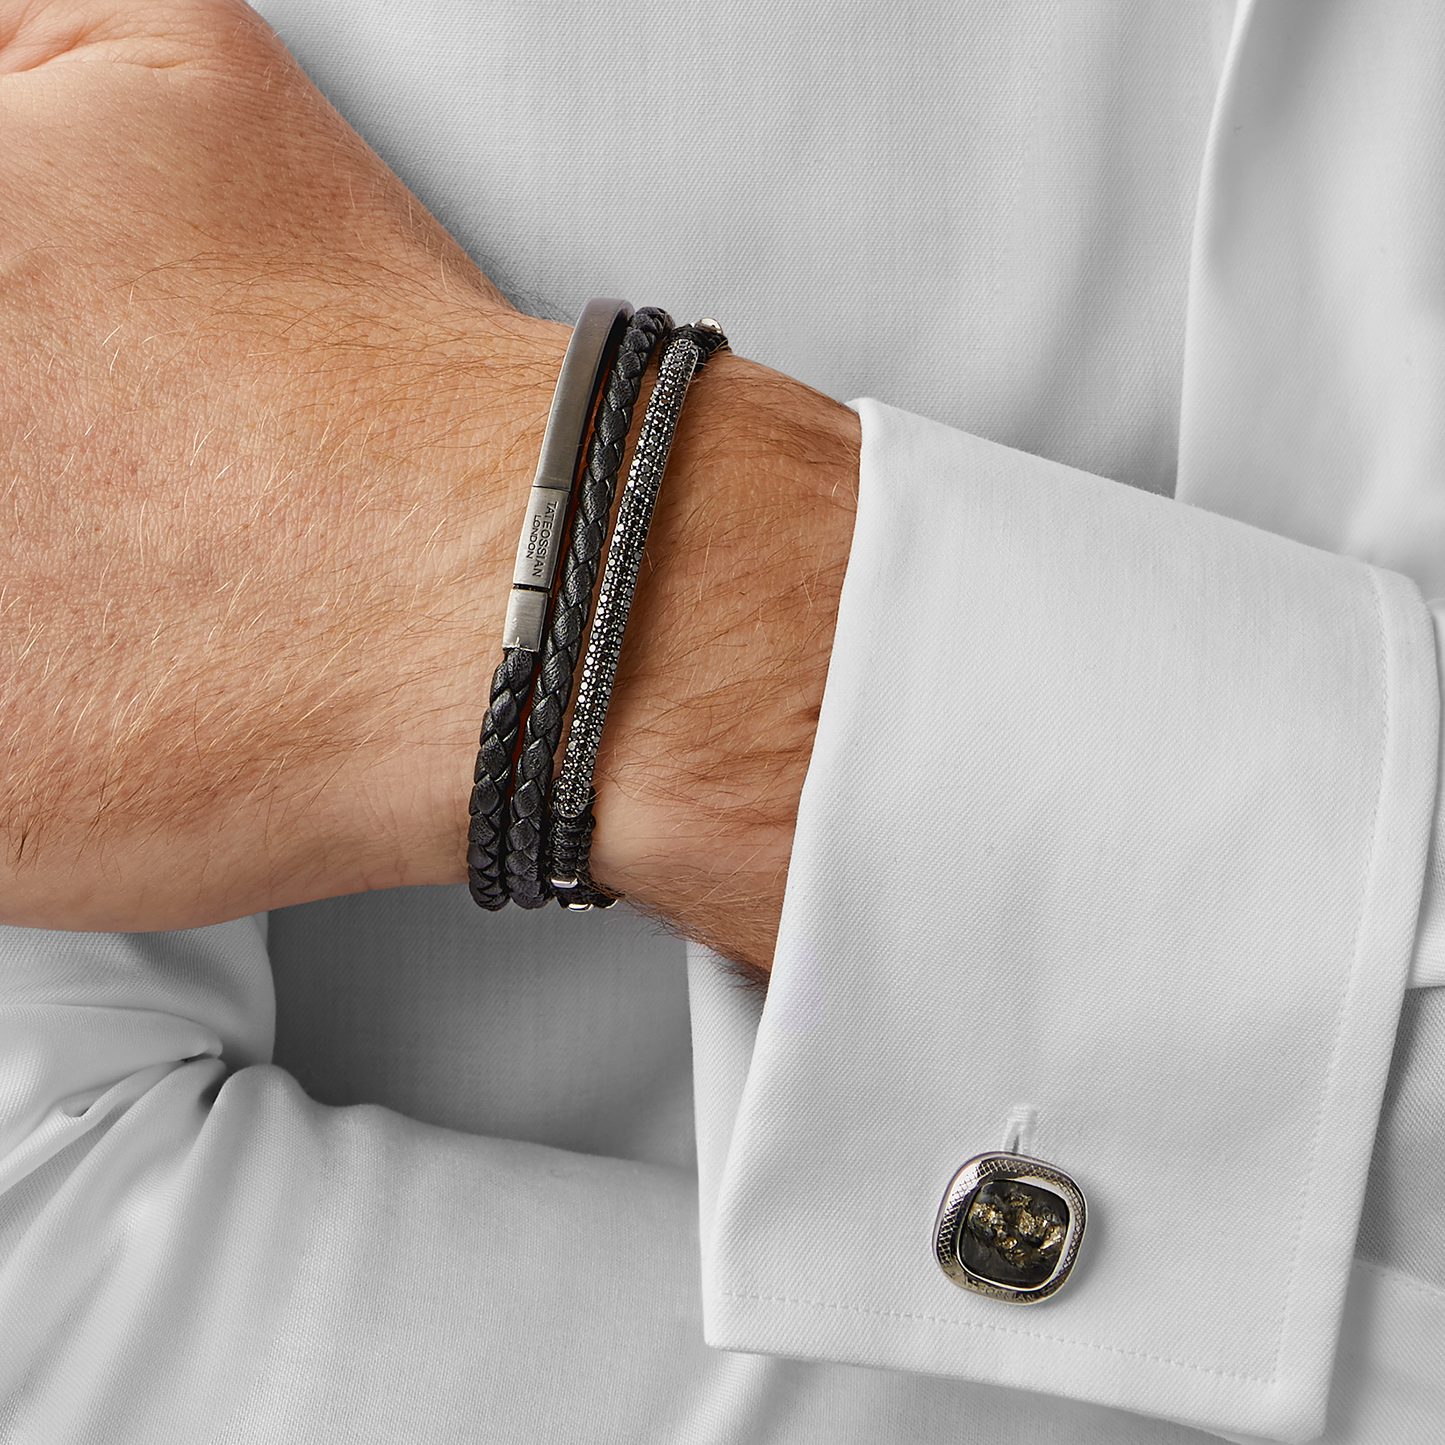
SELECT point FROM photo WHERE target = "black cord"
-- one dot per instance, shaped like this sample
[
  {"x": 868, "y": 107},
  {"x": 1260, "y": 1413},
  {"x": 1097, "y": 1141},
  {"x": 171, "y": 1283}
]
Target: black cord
[
  {"x": 590, "y": 354},
  {"x": 526, "y": 876},
  {"x": 511, "y": 685}
]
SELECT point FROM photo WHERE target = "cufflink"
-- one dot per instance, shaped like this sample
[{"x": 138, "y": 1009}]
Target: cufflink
[{"x": 1009, "y": 1227}]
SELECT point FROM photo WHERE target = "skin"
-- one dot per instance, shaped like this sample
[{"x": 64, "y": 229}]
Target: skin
[{"x": 267, "y": 433}]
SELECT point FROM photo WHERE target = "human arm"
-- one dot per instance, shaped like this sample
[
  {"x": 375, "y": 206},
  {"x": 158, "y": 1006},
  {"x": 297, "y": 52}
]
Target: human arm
[{"x": 269, "y": 431}]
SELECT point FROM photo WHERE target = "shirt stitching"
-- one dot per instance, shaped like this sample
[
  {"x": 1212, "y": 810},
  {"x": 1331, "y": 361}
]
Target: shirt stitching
[
  {"x": 1402, "y": 1281},
  {"x": 819, "y": 1304},
  {"x": 1309, "y": 1191}
]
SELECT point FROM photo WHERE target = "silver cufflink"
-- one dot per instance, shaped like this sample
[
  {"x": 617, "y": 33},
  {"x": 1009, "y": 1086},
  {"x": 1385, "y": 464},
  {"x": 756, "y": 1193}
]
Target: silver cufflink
[{"x": 1009, "y": 1227}]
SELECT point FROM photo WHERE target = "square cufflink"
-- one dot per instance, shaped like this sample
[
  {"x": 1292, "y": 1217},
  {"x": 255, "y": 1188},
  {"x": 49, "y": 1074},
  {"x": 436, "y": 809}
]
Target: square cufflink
[{"x": 1009, "y": 1227}]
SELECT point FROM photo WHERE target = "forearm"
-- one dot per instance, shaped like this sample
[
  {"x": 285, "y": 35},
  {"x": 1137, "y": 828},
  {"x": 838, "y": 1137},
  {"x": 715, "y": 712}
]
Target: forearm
[
  {"x": 314, "y": 733},
  {"x": 268, "y": 432}
]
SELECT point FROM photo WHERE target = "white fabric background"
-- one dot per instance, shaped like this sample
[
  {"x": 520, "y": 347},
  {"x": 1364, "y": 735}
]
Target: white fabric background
[{"x": 979, "y": 212}]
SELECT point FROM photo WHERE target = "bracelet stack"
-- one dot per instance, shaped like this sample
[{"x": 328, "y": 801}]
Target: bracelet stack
[
  {"x": 527, "y": 840},
  {"x": 594, "y": 343}
]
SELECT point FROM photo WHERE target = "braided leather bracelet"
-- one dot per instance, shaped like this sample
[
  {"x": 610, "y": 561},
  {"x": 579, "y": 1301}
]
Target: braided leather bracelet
[
  {"x": 525, "y": 877},
  {"x": 595, "y": 340},
  {"x": 569, "y": 842}
]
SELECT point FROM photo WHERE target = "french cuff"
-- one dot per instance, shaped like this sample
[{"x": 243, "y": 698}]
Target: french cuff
[{"x": 1110, "y": 851}]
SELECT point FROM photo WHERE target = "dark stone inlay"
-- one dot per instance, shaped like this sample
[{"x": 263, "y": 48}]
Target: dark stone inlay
[{"x": 1013, "y": 1233}]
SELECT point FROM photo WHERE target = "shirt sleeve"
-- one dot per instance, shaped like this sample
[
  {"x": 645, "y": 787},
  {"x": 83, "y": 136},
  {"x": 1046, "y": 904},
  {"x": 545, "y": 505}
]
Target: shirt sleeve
[
  {"x": 1112, "y": 846},
  {"x": 191, "y": 1249},
  {"x": 1146, "y": 895}
]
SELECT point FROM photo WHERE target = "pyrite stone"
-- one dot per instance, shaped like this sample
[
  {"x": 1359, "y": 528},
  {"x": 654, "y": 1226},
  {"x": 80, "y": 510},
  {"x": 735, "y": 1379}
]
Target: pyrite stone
[{"x": 1013, "y": 1233}]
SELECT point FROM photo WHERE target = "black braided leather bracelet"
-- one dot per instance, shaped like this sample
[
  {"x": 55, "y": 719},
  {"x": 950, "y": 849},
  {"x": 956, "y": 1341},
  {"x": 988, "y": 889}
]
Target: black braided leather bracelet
[
  {"x": 594, "y": 343},
  {"x": 525, "y": 876},
  {"x": 569, "y": 842}
]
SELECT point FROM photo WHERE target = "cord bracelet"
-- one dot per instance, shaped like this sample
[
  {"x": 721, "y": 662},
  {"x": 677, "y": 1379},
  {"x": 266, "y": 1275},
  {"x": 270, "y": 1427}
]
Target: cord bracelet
[
  {"x": 594, "y": 342},
  {"x": 569, "y": 840},
  {"x": 525, "y": 877}
]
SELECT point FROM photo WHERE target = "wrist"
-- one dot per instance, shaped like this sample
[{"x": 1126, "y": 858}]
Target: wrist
[
  {"x": 717, "y": 698},
  {"x": 721, "y": 678}
]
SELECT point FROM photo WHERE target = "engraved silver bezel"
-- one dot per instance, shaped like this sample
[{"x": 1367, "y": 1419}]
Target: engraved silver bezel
[{"x": 979, "y": 1171}]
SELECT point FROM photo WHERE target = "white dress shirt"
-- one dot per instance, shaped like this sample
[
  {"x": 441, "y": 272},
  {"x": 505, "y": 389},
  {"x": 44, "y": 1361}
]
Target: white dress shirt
[{"x": 1112, "y": 845}]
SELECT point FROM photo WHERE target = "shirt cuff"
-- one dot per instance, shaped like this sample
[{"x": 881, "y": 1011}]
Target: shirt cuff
[{"x": 1115, "y": 825}]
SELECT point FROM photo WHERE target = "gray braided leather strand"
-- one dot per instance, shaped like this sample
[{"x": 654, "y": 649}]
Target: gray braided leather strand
[
  {"x": 569, "y": 843},
  {"x": 526, "y": 877}
]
